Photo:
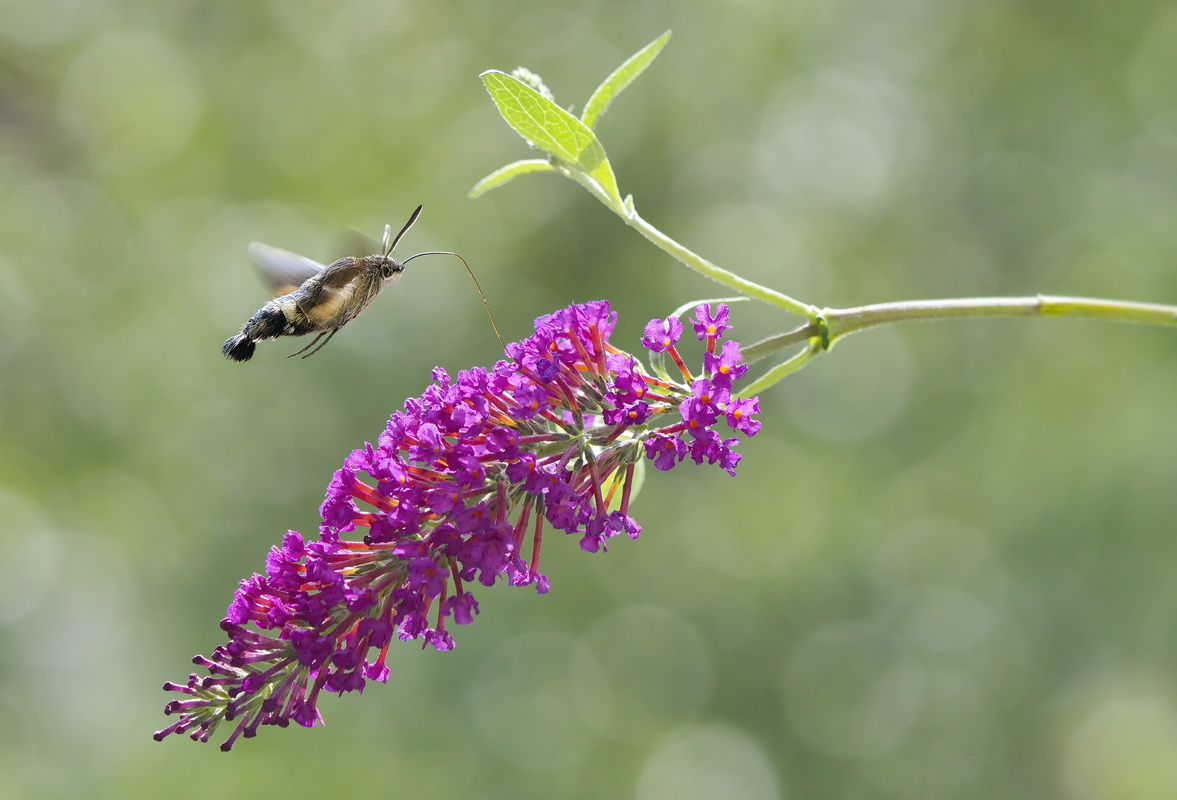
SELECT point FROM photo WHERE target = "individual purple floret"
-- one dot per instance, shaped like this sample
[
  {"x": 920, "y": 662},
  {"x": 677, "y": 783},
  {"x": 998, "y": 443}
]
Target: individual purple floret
[
  {"x": 710, "y": 326},
  {"x": 457, "y": 491}
]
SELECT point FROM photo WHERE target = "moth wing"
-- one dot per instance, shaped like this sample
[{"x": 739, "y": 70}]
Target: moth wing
[
  {"x": 357, "y": 244},
  {"x": 282, "y": 270}
]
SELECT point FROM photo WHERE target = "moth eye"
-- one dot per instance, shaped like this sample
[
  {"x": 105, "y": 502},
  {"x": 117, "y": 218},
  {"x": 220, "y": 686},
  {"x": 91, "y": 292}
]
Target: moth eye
[{"x": 388, "y": 270}]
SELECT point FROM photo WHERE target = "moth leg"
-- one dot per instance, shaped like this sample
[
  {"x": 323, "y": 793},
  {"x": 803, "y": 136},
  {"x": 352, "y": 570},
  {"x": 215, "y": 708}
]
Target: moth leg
[
  {"x": 321, "y": 346},
  {"x": 324, "y": 344},
  {"x": 312, "y": 344}
]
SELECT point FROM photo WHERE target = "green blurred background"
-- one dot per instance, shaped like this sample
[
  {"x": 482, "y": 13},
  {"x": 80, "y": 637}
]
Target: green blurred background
[{"x": 945, "y": 568}]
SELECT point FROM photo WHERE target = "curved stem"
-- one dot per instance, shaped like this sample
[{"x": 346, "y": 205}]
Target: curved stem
[
  {"x": 825, "y": 327},
  {"x": 592, "y": 186},
  {"x": 774, "y": 344},
  {"x": 842, "y": 322},
  {"x": 780, "y": 371},
  {"x": 715, "y": 273},
  {"x": 629, "y": 214}
]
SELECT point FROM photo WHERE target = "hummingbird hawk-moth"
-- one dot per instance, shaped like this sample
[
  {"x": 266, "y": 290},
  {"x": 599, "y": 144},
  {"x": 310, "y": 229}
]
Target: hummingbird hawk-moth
[{"x": 312, "y": 298}]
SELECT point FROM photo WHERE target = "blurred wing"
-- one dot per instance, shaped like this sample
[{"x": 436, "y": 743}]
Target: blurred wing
[
  {"x": 282, "y": 270},
  {"x": 357, "y": 244}
]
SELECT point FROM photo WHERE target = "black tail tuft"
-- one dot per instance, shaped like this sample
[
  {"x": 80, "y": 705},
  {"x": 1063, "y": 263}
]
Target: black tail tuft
[{"x": 238, "y": 348}]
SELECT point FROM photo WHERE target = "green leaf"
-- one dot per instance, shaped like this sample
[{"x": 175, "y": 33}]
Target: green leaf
[
  {"x": 658, "y": 365},
  {"x": 508, "y": 173},
  {"x": 615, "y": 482},
  {"x": 551, "y": 129},
  {"x": 623, "y": 76}
]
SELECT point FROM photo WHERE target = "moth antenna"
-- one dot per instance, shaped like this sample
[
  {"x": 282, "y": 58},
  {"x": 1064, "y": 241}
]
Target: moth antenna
[
  {"x": 489, "y": 313},
  {"x": 388, "y": 248}
]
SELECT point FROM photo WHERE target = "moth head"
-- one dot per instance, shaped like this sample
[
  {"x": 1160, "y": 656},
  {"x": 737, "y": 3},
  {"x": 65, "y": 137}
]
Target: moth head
[
  {"x": 384, "y": 264},
  {"x": 387, "y": 267}
]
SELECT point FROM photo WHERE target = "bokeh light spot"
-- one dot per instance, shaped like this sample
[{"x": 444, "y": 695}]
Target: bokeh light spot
[
  {"x": 708, "y": 762},
  {"x": 133, "y": 99},
  {"x": 655, "y": 672},
  {"x": 850, "y": 692}
]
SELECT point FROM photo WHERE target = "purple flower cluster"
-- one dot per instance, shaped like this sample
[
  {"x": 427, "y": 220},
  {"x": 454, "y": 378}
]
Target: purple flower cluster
[{"x": 452, "y": 492}]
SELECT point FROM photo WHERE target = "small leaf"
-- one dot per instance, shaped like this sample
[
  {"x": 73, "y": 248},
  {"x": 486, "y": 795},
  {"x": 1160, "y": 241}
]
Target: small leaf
[
  {"x": 536, "y": 118},
  {"x": 551, "y": 129},
  {"x": 658, "y": 365},
  {"x": 612, "y": 486},
  {"x": 623, "y": 76},
  {"x": 508, "y": 173}
]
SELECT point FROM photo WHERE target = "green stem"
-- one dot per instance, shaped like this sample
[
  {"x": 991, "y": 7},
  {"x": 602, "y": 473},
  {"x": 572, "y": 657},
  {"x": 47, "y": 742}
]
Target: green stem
[
  {"x": 834, "y": 324},
  {"x": 780, "y": 371},
  {"x": 774, "y": 344},
  {"x": 826, "y": 327},
  {"x": 629, "y": 214},
  {"x": 715, "y": 273},
  {"x": 842, "y": 322},
  {"x": 591, "y": 185}
]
